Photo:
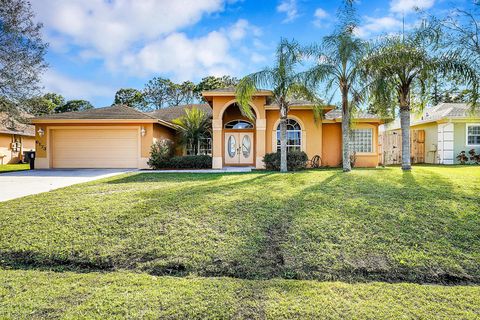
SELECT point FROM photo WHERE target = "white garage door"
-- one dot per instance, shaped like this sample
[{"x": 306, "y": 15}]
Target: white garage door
[{"x": 94, "y": 148}]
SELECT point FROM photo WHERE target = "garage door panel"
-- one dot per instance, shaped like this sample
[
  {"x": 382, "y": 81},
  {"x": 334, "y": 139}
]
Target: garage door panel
[{"x": 95, "y": 148}]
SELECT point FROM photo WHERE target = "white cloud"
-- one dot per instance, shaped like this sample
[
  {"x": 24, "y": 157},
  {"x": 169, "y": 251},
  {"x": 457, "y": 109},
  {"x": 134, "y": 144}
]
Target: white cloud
[
  {"x": 289, "y": 7},
  {"x": 407, "y": 6},
  {"x": 183, "y": 57},
  {"x": 145, "y": 37},
  {"x": 319, "y": 15},
  {"x": 112, "y": 26},
  {"x": 74, "y": 88},
  {"x": 378, "y": 25}
]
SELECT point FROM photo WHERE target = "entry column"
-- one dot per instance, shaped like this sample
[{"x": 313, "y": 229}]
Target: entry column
[
  {"x": 217, "y": 140},
  {"x": 261, "y": 128}
]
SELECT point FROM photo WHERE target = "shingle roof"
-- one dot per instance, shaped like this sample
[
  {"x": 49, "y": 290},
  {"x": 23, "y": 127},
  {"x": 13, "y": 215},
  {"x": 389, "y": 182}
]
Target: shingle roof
[
  {"x": 120, "y": 112},
  {"x": 171, "y": 113},
  {"x": 15, "y": 127},
  {"x": 337, "y": 114},
  {"x": 438, "y": 112}
]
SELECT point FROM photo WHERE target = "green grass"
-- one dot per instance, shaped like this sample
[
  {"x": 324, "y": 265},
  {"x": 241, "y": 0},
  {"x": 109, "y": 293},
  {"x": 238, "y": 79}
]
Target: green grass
[
  {"x": 108, "y": 248},
  {"x": 122, "y": 295},
  {"x": 14, "y": 167},
  {"x": 381, "y": 225}
]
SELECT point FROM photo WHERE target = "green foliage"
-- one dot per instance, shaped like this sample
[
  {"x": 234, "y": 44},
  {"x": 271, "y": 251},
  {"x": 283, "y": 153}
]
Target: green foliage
[
  {"x": 156, "y": 92},
  {"x": 372, "y": 224},
  {"x": 45, "y": 104},
  {"x": 212, "y": 83},
  {"x": 74, "y": 105},
  {"x": 160, "y": 153},
  {"x": 181, "y": 162},
  {"x": 33, "y": 294},
  {"x": 192, "y": 127},
  {"x": 22, "y": 52},
  {"x": 296, "y": 160},
  {"x": 191, "y": 162},
  {"x": 130, "y": 97}
]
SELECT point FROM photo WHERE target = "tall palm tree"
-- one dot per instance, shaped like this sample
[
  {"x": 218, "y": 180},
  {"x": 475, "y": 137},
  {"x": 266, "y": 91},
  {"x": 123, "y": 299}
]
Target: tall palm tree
[
  {"x": 339, "y": 66},
  {"x": 192, "y": 127},
  {"x": 401, "y": 67},
  {"x": 286, "y": 84}
]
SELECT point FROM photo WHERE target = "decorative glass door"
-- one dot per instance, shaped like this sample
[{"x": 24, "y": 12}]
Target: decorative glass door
[{"x": 238, "y": 148}]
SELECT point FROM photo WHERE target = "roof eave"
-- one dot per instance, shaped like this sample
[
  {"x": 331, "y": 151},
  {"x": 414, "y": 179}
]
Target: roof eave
[{"x": 46, "y": 120}]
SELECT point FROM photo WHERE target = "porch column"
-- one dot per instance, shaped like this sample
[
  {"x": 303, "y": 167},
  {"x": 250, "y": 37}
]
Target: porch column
[
  {"x": 261, "y": 126},
  {"x": 217, "y": 140}
]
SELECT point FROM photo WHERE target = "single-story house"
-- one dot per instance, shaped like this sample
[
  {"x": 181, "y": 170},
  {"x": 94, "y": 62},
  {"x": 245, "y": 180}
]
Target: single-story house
[
  {"x": 438, "y": 134},
  {"x": 15, "y": 138},
  {"x": 120, "y": 136}
]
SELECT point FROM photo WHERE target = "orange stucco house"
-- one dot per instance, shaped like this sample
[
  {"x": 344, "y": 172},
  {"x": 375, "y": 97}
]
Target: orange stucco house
[
  {"x": 121, "y": 137},
  {"x": 15, "y": 138}
]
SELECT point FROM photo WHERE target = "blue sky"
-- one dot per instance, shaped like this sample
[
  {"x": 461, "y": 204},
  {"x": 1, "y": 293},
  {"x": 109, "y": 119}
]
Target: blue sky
[{"x": 99, "y": 46}]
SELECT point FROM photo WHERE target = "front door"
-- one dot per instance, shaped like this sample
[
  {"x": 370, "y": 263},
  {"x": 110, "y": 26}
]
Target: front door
[{"x": 239, "y": 148}]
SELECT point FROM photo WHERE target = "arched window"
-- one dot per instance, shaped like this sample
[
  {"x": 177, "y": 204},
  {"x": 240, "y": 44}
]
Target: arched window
[
  {"x": 294, "y": 136},
  {"x": 238, "y": 124}
]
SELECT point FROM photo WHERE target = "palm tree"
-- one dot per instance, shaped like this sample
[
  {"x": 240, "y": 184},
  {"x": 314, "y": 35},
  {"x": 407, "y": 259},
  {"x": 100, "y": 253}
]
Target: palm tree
[
  {"x": 339, "y": 66},
  {"x": 400, "y": 69},
  {"x": 286, "y": 84},
  {"x": 192, "y": 127}
]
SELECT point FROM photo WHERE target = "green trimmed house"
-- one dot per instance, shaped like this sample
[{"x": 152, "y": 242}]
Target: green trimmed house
[{"x": 438, "y": 135}]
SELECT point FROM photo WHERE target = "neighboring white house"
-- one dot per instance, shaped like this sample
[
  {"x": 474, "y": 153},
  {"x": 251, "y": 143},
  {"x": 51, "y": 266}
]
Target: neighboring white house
[{"x": 442, "y": 131}]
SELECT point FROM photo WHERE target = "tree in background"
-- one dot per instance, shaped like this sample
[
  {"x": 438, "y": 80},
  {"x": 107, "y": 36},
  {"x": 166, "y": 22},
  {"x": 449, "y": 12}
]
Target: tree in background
[
  {"x": 286, "y": 84},
  {"x": 74, "y": 105},
  {"x": 157, "y": 93},
  {"x": 131, "y": 97},
  {"x": 45, "y": 104},
  {"x": 400, "y": 68},
  {"x": 212, "y": 83},
  {"x": 192, "y": 127},
  {"x": 21, "y": 55},
  {"x": 338, "y": 64}
]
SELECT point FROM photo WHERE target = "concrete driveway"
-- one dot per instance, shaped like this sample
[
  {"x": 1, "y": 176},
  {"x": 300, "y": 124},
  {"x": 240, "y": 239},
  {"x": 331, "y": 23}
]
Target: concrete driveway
[{"x": 23, "y": 183}]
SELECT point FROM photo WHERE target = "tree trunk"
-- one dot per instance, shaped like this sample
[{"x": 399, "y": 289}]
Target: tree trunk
[
  {"x": 405, "y": 125},
  {"x": 347, "y": 167},
  {"x": 283, "y": 138}
]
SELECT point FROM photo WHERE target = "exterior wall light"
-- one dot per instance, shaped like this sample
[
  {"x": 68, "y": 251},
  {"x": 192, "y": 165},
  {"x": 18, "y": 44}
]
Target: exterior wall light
[
  {"x": 40, "y": 132},
  {"x": 143, "y": 132}
]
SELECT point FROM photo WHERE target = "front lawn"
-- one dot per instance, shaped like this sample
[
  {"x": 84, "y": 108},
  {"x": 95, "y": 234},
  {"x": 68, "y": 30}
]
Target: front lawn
[
  {"x": 121, "y": 295},
  {"x": 14, "y": 167},
  {"x": 379, "y": 224}
]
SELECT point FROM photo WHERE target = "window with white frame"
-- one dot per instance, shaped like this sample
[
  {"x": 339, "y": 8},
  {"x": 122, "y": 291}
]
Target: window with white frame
[
  {"x": 294, "y": 136},
  {"x": 361, "y": 140},
  {"x": 204, "y": 147},
  {"x": 473, "y": 134}
]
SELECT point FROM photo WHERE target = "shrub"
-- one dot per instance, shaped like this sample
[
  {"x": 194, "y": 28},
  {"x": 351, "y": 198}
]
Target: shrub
[
  {"x": 160, "y": 154},
  {"x": 462, "y": 158},
  {"x": 296, "y": 160},
  {"x": 474, "y": 157},
  {"x": 191, "y": 162}
]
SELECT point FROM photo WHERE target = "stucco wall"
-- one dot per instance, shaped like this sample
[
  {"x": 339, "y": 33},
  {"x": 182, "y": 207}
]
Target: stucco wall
[
  {"x": 311, "y": 132},
  {"x": 332, "y": 144},
  {"x": 460, "y": 140},
  {"x": 151, "y": 131},
  {"x": 28, "y": 144}
]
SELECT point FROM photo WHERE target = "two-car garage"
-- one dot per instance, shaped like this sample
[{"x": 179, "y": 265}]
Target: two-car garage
[
  {"x": 94, "y": 148},
  {"x": 112, "y": 137}
]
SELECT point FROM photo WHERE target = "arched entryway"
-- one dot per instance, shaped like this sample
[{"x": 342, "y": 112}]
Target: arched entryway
[{"x": 238, "y": 138}]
